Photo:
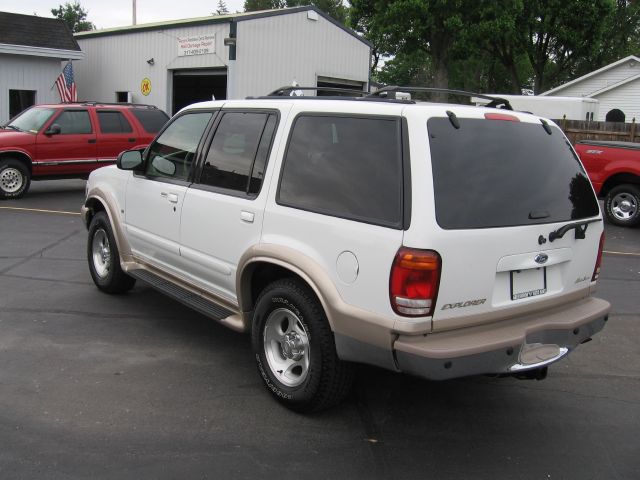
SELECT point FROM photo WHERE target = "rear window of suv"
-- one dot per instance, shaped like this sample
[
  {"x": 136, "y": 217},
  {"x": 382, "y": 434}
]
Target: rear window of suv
[
  {"x": 152, "y": 120},
  {"x": 494, "y": 173}
]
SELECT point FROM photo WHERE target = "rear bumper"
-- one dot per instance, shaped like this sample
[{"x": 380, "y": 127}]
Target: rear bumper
[{"x": 517, "y": 345}]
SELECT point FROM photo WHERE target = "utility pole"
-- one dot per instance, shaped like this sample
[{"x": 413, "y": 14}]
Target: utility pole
[{"x": 134, "y": 12}]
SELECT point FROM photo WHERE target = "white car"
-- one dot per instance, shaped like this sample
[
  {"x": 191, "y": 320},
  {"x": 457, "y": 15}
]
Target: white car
[{"x": 438, "y": 240}]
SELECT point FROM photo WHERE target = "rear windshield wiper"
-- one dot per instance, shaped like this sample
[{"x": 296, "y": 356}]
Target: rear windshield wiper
[
  {"x": 13, "y": 127},
  {"x": 579, "y": 227}
]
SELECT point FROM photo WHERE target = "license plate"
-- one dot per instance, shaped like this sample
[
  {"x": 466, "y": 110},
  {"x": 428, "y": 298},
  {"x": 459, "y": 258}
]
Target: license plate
[{"x": 528, "y": 283}]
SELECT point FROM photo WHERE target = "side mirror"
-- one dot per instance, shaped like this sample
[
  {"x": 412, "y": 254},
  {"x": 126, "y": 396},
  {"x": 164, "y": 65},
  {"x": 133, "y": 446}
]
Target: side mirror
[
  {"x": 164, "y": 166},
  {"x": 54, "y": 129},
  {"x": 129, "y": 160}
]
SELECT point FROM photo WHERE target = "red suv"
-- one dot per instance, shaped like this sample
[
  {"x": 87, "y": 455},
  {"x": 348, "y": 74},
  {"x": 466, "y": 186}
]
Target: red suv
[{"x": 70, "y": 140}]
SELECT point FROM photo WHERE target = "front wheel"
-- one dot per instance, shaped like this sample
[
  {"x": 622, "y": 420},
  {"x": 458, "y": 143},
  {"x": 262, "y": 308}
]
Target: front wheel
[
  {"x": 104, "y": 259},
  {"x": 622, "y": 205},
  {"x": 14, "y": 178},
  {"x": 295, "y": 349}
]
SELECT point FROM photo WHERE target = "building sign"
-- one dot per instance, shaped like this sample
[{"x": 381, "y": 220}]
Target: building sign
[
  {"x": 196, "y": 45},
  {"x": 145, "y": 86}
]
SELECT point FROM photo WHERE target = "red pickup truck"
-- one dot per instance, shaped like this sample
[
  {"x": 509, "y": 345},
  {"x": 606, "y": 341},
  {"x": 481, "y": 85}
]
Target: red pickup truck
[
  {"x": 70, "y": 140},
  {"x": 614, "y": 170}
]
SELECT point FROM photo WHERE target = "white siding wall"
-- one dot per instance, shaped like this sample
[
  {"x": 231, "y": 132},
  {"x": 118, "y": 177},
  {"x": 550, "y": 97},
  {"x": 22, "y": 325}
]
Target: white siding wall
[
  {"x": 119, "y": 63},
  {"x": 586, "y": 87},
  {"x": 273, "y": 51},
  {"x": 625, "y": 98},
  {"x": 22, "y": 72}
]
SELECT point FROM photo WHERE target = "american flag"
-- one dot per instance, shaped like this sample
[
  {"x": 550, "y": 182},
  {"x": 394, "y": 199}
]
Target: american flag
[{"x": 66, "y": 85}]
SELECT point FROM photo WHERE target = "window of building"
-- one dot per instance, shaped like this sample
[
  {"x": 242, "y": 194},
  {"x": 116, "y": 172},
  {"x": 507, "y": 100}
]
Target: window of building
[
  {"x": 172, "y": 154},
  {"x": 346, "y": 167},
  {"x": 112, "y": 121},
  {"x": 20, "y": 100},
  {"x": 238, "y": 154}
]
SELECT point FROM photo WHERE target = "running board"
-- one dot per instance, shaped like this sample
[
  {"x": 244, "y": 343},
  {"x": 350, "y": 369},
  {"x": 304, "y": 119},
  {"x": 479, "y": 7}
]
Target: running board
[{"x": 190, "y": 299}]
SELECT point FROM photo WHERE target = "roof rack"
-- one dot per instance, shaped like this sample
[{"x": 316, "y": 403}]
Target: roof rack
[
  {"x": 288, "y": 89},
  {"x": 391, "y": 91},
  {"x": 94, "y": 103}
]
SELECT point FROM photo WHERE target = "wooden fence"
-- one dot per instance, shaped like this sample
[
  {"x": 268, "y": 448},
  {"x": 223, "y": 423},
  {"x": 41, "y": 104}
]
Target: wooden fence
[{"x": 583, "y": 130}]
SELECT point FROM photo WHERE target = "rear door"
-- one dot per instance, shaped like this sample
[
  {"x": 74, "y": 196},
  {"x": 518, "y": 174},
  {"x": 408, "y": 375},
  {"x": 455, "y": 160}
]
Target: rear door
[
  {"x": 224, "y": 209},
  {"x": 502, "y": 185},
  {"x": 115, "y": 134}
]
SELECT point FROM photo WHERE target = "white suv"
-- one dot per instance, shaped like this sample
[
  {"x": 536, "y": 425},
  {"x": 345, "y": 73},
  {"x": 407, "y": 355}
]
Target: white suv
[{"x": 438, "y": 240}]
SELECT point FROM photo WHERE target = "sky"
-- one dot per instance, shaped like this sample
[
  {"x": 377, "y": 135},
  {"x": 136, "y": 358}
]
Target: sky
[{"x": 118, "y": 13}]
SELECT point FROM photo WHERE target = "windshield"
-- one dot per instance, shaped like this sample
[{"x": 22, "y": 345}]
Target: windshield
[
  {"x": 491, "y": 173},
  {"x": 31, "y": 120}
]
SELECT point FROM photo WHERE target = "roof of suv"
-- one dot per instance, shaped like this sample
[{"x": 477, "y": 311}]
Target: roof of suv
[{"x": 96, "y": 104}]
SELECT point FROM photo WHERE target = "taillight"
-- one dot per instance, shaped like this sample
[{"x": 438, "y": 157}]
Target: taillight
[
  {"x": 501, "y": 116},
  {"x": 414, "y": 280},
  {"x": 596, "y": 270}
]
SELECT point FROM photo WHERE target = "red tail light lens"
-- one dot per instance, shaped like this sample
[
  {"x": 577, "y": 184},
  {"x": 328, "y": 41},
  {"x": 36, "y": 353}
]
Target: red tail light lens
[
  {"x": 501, "y": 116},
  {"x": 414, "y": 281},
  {"x": 596, "y": 270}
]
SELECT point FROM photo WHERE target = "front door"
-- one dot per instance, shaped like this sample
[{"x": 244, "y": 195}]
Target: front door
[
  {"x": 154, "y": 200},
  {"x": 72, "y": 150}
]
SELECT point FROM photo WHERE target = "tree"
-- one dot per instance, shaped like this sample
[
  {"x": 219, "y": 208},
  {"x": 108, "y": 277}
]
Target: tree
[
  {"x": 255, "y": 5},
  {"x": 335, "y": 8},
  {"x": 74, "y": 16},
  {"x": 556, "y": 36},
  {"x": 416, "y": 28},
  {"x": 222, "y": 8}
]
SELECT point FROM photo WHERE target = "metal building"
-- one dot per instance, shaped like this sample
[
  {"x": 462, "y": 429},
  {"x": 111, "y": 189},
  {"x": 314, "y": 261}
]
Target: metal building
[
  {"x": 31, "y": 51},
  {"x": 173, "y": 64}
]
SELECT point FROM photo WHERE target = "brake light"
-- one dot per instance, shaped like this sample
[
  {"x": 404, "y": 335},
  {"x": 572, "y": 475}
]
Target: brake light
[
  {"x": 596, "y": 270},
  {"x": 414, "y": 281},
  {"x": 501, "y": 116}
]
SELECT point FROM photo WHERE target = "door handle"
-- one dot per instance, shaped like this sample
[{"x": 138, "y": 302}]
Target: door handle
[
  {"x": 91, "y": 140},
  {"x": 247, "y": 217},
  {"x": 131, "y": 140},
  {"x": 172, "y": 197}
]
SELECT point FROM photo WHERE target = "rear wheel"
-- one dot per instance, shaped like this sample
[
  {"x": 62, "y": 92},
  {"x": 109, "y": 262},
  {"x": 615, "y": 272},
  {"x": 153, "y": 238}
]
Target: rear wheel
[
  {"x": 14, "y": 178},
  {"x": 104, "y": 259},
  {"x": 622, "y": 205},
  {"x": 295, "y": 349}
]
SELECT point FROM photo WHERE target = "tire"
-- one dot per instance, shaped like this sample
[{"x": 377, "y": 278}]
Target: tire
[
  {"x": 104, "y": 258},
  {"x": 295, "y": 349},
  {"x": 14, "y": 178},
  {"x": 622, "y": 205}
]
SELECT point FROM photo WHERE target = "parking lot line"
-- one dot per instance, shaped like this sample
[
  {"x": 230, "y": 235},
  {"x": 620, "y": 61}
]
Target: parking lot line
[
  {"x": 60, "y": 212},
  {"x": 609, "y": 252}
]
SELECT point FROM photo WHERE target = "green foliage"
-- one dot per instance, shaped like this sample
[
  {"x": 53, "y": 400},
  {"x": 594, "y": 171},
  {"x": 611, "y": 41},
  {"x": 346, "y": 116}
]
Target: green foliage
[
  {"x": 222, "y": 8},
  {"x": 256, "y": 5},
  {"x": 74, "y": 16},
  {"x": 495, "y": 45},
  {"x": 335, "y": 8}
]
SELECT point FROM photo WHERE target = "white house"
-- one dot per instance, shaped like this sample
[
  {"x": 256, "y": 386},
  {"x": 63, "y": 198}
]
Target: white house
[
  {"x": 31, "y": 51},
  {"x": 172, "y": 64},
  {"x": 615, "y": 86}
]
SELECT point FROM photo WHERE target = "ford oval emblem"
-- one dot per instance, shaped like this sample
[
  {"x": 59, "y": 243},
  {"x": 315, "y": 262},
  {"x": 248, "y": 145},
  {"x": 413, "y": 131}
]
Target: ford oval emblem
[{"x": 541, "y": 258}]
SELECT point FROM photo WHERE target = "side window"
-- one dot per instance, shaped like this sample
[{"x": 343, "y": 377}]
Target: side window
[
  {"x": 112, "y": 121},
  {"x": 238, "y": 154},
  {"x": 74, "y": 121},
  {"x": 172, "y": 154},
  {"x": 152, "y": 120},
  {"x": 346, "y": 167}
]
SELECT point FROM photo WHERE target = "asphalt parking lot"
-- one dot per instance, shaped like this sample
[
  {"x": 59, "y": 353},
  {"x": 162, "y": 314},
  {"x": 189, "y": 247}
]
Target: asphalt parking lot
[{"x": 138, "y": 386}]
